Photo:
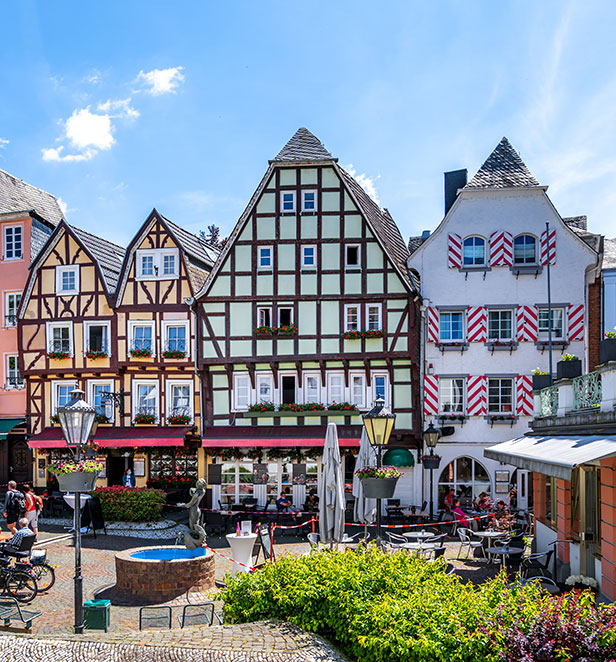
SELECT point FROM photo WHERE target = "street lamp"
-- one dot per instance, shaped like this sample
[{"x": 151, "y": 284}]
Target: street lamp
[
  {"x": 379, "y": 422},
  {"x": 77, "y": 420},
  {"x": 431, "y": 435}
]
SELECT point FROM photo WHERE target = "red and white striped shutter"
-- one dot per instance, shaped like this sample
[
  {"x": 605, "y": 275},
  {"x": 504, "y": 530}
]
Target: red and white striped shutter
[
  {"x": 477, "y": 324},
  {"x": 455, "y": 251},
  {"x": 476, "y": 396},
  {"x": 527, "y": 324},
  {"x": 552, "y": 247},
  {"x": 433, "y": 325},
  {"x": 501, "y": 249},
  {"x": 430, "y": 395},
  {"x": 576, "y": 322},
  {"x": 524, "y": 395}
]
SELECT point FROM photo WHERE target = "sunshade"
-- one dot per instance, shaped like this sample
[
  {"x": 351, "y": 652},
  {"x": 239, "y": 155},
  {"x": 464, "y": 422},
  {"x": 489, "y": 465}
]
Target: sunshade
[
  {"x": 331, "y": 489},
  {"x": 365, "y": 509}
]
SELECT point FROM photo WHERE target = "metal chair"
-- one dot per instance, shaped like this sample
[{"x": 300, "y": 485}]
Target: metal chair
[
  {"x": 466, "y": 541},
  {"x": 395, "y": 541},
  {"x": 155, "y": 617},
  {"x": 315, "y": 542},
  {"x": 199, "y": 614},
  {"x": 533, "y": 562}
]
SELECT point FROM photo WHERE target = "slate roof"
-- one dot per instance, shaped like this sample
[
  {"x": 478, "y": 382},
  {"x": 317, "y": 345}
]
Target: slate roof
[
  {"x": 303, "y": 146},
  {"x": 415, "y": 243},
  {"x": 193, "y": 245},
  {"x": 609, "y": 253},
  {"x": 39, "y": 235},
  {"x": 16, "y": 195},
  {"x": 503, "y": 169},
  {"x": 577, "y": 223},
  {"x": 108, "y": 255}
]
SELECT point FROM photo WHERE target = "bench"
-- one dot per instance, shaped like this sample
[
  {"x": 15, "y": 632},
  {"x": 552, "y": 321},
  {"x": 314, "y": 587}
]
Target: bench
[{"x": 10, "y": 610}]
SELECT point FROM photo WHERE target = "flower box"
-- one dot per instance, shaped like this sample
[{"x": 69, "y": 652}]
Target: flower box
[
  {"x": 141, "y": 353},
  {"x": 101, "y": 418},
  {"x": 452, "y": 418},
  {"x": 261, "y": 407},
  {"x": 379, "y": 488},
  {"x": 607, "y": 350},
  {"x": 266, "y": 330},
  {"x": 568, "y": 369},
  {"x": 58, "y": 356},
  {"x": 345, "y": 407},
  {"x": 287, "y": 330},
  {"x": 540, "y": 382},
  {"x": 178, "y": 420},
  {"x": 174, "y": 354},
  {"x": 95, "y": 355},
  {"x": 356, "y": 335},
  {"x": 501, "y": 419},
  {"x": 144, "y": 419}
]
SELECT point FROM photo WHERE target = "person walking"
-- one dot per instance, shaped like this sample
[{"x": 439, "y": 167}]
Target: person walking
[
  {"x": 14, "y": 506},
  {"x": 129, "y": 479},
  {"x": 34, "y": 505}
]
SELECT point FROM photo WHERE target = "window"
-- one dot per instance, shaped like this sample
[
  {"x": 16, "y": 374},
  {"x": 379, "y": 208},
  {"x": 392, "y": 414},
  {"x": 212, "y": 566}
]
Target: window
[
  {"x": 13, "y": 378},
  {"x": 169, "y": 265},
  {"x": 158, "y": 264},
  {"x": 309, "y": 200},
  {"x": 175, "y": 336},
  {"x": 289, "y": 395},
  {"x": 500, "y": 396},
  {"x": 287, "y": 201},
  {"x": 241, "y": 392},
  {"x": 351, "y": 256},
  {"x": 380, "y": 388},
  {"x": 309, "y": 256},
  {"x": 500, "y": 325},
  {"x": 351, "y": 318},
  {"x": 265, "y": 388},
  {"x": 147, "y": 265},
  {"x": 452, "y": 328},
  {"x": 335, "y": 388},
  {"x": 60, "y": 337},
  {"x": 61, "y": 392},
  {"x": 97, "y": 336},
  {"x": 466, "y": 477},
  {"x": 141, "y": 335},
  {"x": 11, "y": 306},
  {"x": 373, "y": 316},
  {"x": 264, "y": 316},
  {"x": 452, "y": 395},
  {"x": 179, "y": 399},
  {"x": 550, "y": 501},
  {"x": 13, "y": 242},
  {"x": 358, "y": 391},
  {"x": 236, "y": 482},
  {"x": 285, "y": 316},
  {"x": 145, "y": 398},
  {"x": 474, "y": 252},
  {"x": 67, "y": 280},
  {"x": 525, "y": 250},
  {"x": 557, "y": 324},
  {"x": 103, "y": 406},
  {"x": 265, "y": 257},
  {"x": 312, "y": 388}
]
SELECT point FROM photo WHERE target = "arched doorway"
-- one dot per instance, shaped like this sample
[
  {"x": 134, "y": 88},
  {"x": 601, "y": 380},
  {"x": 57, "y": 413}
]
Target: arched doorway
[{"x": 467, "y": 477}]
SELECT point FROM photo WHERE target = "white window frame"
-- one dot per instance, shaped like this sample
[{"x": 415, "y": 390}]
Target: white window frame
[
  {"x": 158, "y": 255},
  {"x": 361, "y": 403},
  {"x": 348, "y": 307},
  {"x": 346, "y": 256},
  {"x": 263, "y": 309},
  {"x": 108, "y": 386},
  {"x": 268, "y": 378},
  {"x": 19, "y": 227},
  {"x": 67, "y": 269},
  {"x": 306, "y": 396},
  {"x": 315, "y": 208},
  {"x": 452, "y": 312},
  {"x": 169, "y": 384},
  {"x": 288, "y": 211},
  {"x": 543, "y": 335},
  {"x": 50, "y": 326},
  {"x": 164, "y": 328},
  {"x": 260, "y": 266},
  {"x": 513, "y": 403},
  {"x": 387, "y": 393},
  {"x": 234, "y": 404},
  {"x": 7, "y": 308},
  {"x": 280, "y": 308},
  {"x": 537, "y": 250},
  {"x": 500, "y": 311},
  {"x": 485, "y": 252},
  {"x": 330, "y": 397},
  {"x": 135, "y": 395},
  {"x": 380, "y": 309},
  {"x": 55, "y": 384},
  {"x": 132, "y": 325},
  {"x": 86, "y": 334},
  {"x": 314, "y": 257},
  {"x": 442, "y": 389},
  {"x": 279, "y": 390},
  {"x": 7, "y": 373}
]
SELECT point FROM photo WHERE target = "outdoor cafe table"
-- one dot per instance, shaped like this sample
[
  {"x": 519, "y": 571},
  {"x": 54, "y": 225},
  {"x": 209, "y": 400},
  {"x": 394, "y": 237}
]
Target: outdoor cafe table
[
  {"x": 503, "y": 552},
  {"x": 70, "y": 500},
  {"x": 241, "y": 550},
  {"x": 419, "y": 535}
]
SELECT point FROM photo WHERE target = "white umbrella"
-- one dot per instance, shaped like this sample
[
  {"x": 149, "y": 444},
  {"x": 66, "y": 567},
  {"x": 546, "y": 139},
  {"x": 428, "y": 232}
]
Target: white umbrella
[
  {"x": 365, "y": 509},
  {"x": 331, "y": 489}
]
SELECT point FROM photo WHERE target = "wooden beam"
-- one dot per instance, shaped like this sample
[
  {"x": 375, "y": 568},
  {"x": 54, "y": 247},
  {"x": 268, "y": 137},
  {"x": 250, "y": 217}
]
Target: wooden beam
[
  {"x": 390, "y": 369},
  {"x": 322, "y": 366},
  {"x": 367, "y": 369},
  {"x": 345, "y": 364},
  {"x": 274, "y": 367},
  {"x": 251, "y": 372},
  {"x": 298, "y": 367}
]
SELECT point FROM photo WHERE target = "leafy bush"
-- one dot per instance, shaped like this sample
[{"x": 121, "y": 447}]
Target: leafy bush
[
  {"x": 392, "y": 607},
  {"x": 130, "y": 504}
]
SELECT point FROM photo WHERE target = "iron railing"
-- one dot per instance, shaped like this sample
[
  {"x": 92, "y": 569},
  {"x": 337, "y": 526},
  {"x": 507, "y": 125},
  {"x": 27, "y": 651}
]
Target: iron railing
[
  {"x": 63, "y": 345},
  {"x": 142, "y": 343},
  {"x": 549, "y": 400},
  {"x": 175, "y": 345},
  {"x": 10, "y": 320},
  {"x": 15, "y": 382},
  {"x": 587, "y": 392}
]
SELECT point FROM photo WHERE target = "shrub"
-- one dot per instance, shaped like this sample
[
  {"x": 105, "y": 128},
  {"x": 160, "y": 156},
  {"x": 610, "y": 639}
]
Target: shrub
[
  {"x": 130, "y": 504},
  {"x": 568, "y": 357}
]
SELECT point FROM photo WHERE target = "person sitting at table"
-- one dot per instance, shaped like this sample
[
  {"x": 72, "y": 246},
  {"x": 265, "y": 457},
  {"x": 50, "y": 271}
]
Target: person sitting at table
[
  {"x": 484, "y": 502},
  {"x": 449, "y": 498},
  {"x": 312, "y": 501},
  {"x": 459, "y": 514},
  {"x": 501, "y": 510},
  {"x": 284, "y": 503}
]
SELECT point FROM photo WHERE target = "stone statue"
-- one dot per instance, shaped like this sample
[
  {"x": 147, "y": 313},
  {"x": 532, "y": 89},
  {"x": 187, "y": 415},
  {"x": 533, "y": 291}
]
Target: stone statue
[{"x": 196, "y": 536}]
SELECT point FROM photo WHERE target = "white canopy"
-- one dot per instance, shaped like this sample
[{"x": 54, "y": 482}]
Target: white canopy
[{"x": 331, "y": 489}]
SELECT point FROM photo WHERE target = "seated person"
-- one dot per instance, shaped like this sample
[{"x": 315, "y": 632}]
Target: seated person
[
  {"x": 501, "y": 510},
  {"x": 284, "y": 503},
  {"x": 459, "y": 514},
  {"x": 449, "y": 498},
  {"x": 24, "y": 531},
  {"x": 312, "y": 500},
  {"x": 484, "y": 502}
]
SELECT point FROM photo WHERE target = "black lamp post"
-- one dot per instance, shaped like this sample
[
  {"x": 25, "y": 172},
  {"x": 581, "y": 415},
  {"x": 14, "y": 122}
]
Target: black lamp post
[
  {"x": 431, "y": 435},
  {"x": 379, "y": 422},
  {"x": 77, "y": 420}
]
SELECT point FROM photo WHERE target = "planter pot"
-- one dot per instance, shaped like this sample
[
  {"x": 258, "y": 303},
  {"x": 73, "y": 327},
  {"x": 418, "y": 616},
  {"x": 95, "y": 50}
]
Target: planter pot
[
  {"x": 540, "y": 381},
  {"x": 607, "y": 350},
  {"x": 379, "y": 488},
  {"x": 568, "y": 369},
  {"x": 431, "y": 462},
  {"x": 80, "y": 481}
]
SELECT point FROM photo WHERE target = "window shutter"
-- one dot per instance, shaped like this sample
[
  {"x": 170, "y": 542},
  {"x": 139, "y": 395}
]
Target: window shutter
[
  {"x": 524, "y": 395},
  {"x": 455, "y": 251},
  {"x": 433, "y": 325},
  {"x": 477, "y": 324},
  {"x": 476, "y": 396},
  {"x": 527, "y": 324},
  {"x": 575, "y": 322},
  {"x": 501, "y": 249},
  {"x": 552, "y": 247},
  {"x": 430, "y": 395}
]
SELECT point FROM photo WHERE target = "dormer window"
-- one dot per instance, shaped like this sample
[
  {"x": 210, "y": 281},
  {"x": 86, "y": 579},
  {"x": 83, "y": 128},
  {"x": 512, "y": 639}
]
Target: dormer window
[
  {"x": 67, "y": 280},
  {"x": 309, "y": 201},
  {"x": 287, "y": 202},
  {"x": 158, "y": 264},
  {"x": 147, "y": 265}
]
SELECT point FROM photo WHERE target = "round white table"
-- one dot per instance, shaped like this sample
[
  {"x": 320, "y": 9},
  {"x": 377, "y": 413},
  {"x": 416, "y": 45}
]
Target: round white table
[
  {"x": 70, "y": 500},
  {"x": 419, "y": 535},
  {"x": 241, "y": 550}
]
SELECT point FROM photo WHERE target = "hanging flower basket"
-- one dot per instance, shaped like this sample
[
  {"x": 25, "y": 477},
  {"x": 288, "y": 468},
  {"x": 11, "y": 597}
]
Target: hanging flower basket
[
  {"x": 431, "y": 461},
  {"x": 77, "y": 476},
  {"x": 379, "y": 483}
]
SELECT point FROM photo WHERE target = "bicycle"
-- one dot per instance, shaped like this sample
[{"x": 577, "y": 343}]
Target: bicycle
[
  {"x": 39, "y": 568},
  {"x": 17, "y": 583}
]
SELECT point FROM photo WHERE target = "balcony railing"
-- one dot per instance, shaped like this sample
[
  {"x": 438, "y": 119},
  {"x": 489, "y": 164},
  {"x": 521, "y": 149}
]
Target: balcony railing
[
  {"x": 549, "y": 401},
  {"x": 10, "y": 320},
  {"x": 587, "y": 391}
]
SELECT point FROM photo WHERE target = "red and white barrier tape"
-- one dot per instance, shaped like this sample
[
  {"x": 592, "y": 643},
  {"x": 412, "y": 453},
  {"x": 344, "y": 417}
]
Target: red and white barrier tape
[
  {"x": 294, "y": 526},
  {"x": 250, "y": 568}
]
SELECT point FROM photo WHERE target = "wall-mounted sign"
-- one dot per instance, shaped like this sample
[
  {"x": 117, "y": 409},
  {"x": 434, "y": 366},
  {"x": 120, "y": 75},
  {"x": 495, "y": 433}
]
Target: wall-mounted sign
[
  {"x": 214, "y": 474},
  {"x": 139, "y": 466}
]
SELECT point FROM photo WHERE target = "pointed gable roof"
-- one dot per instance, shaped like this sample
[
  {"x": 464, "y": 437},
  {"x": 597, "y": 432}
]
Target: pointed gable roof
[
  {"x": 109, "y": 256},
  {"x": 16, "y": 196},
  {"x": 303, "y": 146},
  {"x": 503, "y": 169}
]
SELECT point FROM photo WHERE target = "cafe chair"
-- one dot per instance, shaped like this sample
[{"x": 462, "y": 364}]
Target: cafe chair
[
  {"x": 467, "y": 542},
  {"x": 536, "y": 563}
]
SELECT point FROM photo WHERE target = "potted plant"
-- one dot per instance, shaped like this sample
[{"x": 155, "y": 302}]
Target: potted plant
[
  {"x": 541, "y": 379},
  {"x": 607, "y": 347},
  {"x": 379, "y": 483},
  {"x": 76, "y": 476},
  {"x": 568, "y": 367},
  {"x": 174, "y": 354},
  {"x": 95, "y": 354},
  {"x": 178, "y": 419},
  {"x": 144, "y": 419},
  {"x": 142, "y": 353},
  {"x": 58, "y": 355},
  {"x": 580, "y": 582},
  {"x": 431, "y": 461}
]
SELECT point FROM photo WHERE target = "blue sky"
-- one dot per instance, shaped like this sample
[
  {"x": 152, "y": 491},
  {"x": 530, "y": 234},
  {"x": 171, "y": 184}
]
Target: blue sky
[{"x": 118, "y": 107}]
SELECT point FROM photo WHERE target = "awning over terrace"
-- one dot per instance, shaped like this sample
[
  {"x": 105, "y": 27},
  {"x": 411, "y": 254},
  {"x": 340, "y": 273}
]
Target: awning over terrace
[
  {"x": 273, "y": 443},
  {"x": 553, "y": 456},
  {"x": 118, "y": 437}
]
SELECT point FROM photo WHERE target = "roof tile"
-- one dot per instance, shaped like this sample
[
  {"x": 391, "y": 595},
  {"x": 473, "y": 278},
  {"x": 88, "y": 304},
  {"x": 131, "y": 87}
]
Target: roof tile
[
  {"x": 503, "y": 169},
  {"x": 303, "y": 146}
]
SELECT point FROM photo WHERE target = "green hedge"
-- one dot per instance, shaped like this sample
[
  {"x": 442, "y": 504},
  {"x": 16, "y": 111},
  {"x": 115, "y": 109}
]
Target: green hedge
[
  {"x": 130, "y": 504},
  {"x": 386, "y": 607}
]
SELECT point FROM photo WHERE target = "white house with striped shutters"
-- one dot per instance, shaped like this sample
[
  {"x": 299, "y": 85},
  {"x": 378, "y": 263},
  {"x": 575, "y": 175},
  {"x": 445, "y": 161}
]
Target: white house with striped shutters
[{"x": 484, "y": 288}]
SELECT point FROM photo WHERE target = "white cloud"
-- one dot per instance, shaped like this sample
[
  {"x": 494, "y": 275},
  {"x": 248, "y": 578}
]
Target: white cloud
[
  {"x": 4, "y": 142},
  {"x": 161, "y": 81},
  {"x": 85, "y": 129},
  {"x": 94, "y": 77},
  {"x": 122, "y": 106},
  {"x": 63, "y": 206},
  {"x": 366, "y": 182},
  {"x": 55, "y": 154}
]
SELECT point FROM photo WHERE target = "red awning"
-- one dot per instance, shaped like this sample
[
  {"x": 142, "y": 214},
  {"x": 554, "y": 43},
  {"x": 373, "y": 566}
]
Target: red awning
[
  {"x": 119, "y": 437},
  {"x": 275, "y": 443}
]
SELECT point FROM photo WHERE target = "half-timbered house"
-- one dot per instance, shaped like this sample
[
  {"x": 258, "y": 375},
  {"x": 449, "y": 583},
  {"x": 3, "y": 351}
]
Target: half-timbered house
[{"x": 308, "y": 316}]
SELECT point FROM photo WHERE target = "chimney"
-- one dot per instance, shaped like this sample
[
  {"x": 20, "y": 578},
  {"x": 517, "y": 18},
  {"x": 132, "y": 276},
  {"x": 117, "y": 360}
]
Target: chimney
[{"x": 454, "y": 180}]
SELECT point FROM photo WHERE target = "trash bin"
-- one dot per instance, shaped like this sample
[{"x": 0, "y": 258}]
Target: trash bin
[{"x": 96, "y": 614}]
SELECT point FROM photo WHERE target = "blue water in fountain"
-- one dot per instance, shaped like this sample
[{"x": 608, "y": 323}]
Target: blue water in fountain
[{"x": 158, "y": 554}]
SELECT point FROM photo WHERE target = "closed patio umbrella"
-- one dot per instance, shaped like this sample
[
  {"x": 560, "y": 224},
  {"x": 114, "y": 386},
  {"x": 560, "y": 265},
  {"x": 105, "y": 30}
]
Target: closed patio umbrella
[
  {"x": 365, "y": 509},
  {"x": 331, "y": 489}
]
